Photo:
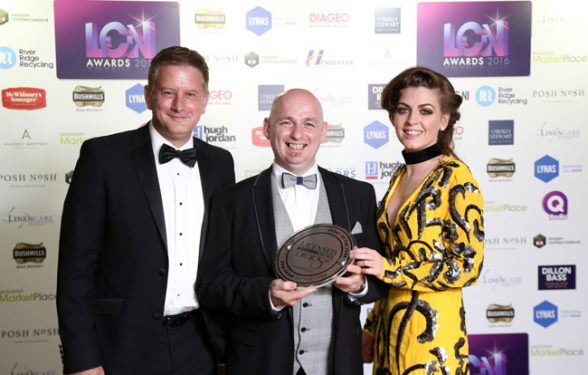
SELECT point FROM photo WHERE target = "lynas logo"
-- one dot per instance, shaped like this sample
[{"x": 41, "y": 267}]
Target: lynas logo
[
  {"x": 135, "y": 98},
  {"x": 116, "y": 40},
  {"x": 473, "y": 40},
  {"x": 258, "y": 20},
  {"x": 375, "y": 134},
  {"x": 545, "y": 314},
  {"x": 546, "y": 168}
]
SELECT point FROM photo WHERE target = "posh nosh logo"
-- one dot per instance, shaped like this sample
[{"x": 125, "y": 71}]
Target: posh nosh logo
[{"x": 114, "y": 41}]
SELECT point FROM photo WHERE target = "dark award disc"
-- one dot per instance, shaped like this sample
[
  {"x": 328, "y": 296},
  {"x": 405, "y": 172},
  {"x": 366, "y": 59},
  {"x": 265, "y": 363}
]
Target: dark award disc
[{"x": 315, "y": 255}]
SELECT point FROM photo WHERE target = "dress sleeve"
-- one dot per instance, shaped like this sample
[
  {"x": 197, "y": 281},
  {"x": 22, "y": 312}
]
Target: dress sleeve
[{"x": 440, "y": 236}]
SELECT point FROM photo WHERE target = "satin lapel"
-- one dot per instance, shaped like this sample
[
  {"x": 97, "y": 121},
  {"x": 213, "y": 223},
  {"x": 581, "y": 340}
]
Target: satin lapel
[
  {"x": 144, "y": 161},
  {"x": 264, "y": 215},
  {"x": 337, "y": 199},
  {"x": 208, "y": 183}
]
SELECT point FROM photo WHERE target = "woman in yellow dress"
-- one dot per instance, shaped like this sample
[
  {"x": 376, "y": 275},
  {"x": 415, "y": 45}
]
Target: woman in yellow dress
[{"x": 431, "y": 224}]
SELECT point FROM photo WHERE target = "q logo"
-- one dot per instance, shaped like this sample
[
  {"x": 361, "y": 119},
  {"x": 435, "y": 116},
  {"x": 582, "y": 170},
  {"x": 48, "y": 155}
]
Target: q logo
[{"x": 555, "y": 204}]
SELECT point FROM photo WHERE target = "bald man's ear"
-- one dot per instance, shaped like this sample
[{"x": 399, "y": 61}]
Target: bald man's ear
[
  {"x": 266, "y": 127},
  {"x": 324, "y": 131}
]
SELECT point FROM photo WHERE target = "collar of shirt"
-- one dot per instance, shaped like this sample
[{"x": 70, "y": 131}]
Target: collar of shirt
[
  {"x": 157, "y": 140},
  {"x": 301, "y": 203}
]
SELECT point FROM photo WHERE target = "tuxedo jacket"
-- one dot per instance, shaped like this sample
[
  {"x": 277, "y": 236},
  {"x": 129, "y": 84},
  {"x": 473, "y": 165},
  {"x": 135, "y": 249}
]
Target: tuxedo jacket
[
  {"x": 236, "y": 272},
  {"x": 113, "y": 263}
]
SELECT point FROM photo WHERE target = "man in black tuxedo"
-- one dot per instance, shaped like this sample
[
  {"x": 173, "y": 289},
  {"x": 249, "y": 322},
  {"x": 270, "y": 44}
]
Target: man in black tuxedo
[
  {"x": 133, "y": 221},
  {"x": 275, "y": 326}
]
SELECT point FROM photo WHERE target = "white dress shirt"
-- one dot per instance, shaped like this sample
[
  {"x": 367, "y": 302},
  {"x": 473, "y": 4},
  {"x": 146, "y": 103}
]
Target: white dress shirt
[{"x": 183, "y": 210}]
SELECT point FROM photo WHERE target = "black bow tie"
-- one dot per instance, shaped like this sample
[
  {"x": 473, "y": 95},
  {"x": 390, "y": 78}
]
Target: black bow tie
[
  {"x": 289, "y": 180},
  {"x": 167, "y": 153}
]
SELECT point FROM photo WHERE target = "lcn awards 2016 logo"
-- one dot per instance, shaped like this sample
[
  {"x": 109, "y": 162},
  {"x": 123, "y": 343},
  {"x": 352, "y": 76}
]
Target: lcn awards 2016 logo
[
  {"x": 475, "y": 39},
  {"x": 112, "y": 40}
]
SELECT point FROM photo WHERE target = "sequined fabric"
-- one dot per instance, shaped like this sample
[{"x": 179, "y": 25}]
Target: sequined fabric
[{"x": 434, "y": 247}]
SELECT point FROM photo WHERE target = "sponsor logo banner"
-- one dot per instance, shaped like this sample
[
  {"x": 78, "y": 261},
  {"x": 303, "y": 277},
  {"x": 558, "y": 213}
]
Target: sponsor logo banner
[
  {"x": 27, "y": 98},
  {"x": 499, "y": 354}
]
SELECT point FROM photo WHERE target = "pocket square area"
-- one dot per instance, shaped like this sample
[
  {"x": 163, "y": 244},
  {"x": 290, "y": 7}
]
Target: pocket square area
[{"x": 357, "y": 229}]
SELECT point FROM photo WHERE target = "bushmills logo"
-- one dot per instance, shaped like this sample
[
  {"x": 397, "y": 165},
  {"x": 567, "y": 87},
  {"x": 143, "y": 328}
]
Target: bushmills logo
[
  {"x": 500, "y": 167},
  {"x": 500, "y": 313},
  {"x": 209, "y": 18},
  {"x": 84, "y": 96}
]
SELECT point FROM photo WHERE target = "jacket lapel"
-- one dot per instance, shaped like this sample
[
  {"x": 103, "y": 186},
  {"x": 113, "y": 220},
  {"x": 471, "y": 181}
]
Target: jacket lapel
[
  {"x": 337, "y": 199},
  {"x": 144, "y": 161},
  {"x": 261, "y": 195}
]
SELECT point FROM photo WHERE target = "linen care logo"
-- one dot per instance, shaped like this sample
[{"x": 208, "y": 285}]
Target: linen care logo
[
  {"x": 475, "y": 39},
  {"x": 26, "y": 98},
  {"x": 115, "y": 40}
]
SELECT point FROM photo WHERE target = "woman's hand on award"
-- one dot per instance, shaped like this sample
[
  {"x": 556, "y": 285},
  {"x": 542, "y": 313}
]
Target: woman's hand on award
[{"x": 370, "y": 261}]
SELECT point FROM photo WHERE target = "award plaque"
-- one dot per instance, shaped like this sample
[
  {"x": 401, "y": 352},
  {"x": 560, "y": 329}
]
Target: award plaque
[{"x": 315, "y": 255}]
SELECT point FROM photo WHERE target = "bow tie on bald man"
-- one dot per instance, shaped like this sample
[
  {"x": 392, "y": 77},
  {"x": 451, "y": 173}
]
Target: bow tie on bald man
[
  {"x": 167, "y": 153},
  {"x": 289, "y": 180}
]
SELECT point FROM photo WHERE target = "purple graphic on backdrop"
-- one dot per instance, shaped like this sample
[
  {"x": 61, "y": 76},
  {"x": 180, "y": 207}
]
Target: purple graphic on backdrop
[
  {"x": 112, "y": 40},
  {"x": 499, "y": 354},
  {"x": 475, "y": 39},
  {"x": 555, "y": 203}
]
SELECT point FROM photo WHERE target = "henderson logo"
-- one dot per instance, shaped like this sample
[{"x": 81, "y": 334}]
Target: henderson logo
[
  {"x": 88, "y": 96},
  {"x": 26, "y": 98},
  {"x": 210, "y": 18},
  {"x": 500, "y": 313},
  {"x": 500, "y": 167},
  {"x": 29, "y": 253}
]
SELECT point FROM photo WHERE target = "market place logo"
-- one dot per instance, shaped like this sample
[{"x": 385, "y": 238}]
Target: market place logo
[
  {"x": 500, "y": 132},
  {"x": 19, "y": 218},
  {"x": 555, "y": 204},
  {"x": 375, "y": 95},
  {"x": 547, "y": 351},
  {"x": 86, "y": 96},
  {"x": 335, "y": 133},
  {"x": 266, "y": 95},
  {"x": 496, "y": 313},
  {"x": 71, "y": 138},
  {"x": 509, "y": 208},
  {"x": 328, "y": 19},
  {"x": 546, "y": 168},
  {"x": 497, "y": 167},
  {"x": 24, "y": 98},
  {"x": 258, "y": 20},
  {"x": 20, "y": 296},
  {"x": 545, "y": 314},
  {"x": 135, "y": 98},
  {"x": 25, "y": 252},
  {"x": 7, "y": 58},
  {"x": 475, "y": 39},
  {"x": 557, "y": 277},
  {"x": 551, "y": 57},
  {"x": 112, "y": 40},
  {"x": 206, "y": 18},
  {"x": 387, "y": 20},
  {"x": 375, "y": 134}
]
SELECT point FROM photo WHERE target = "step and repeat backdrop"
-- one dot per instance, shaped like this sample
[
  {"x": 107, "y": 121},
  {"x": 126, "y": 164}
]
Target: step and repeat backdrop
[{"x": 73, "y": 70}]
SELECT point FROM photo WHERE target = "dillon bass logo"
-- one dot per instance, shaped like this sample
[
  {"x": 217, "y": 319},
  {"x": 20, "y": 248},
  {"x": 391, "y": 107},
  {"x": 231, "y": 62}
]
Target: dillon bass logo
[
  {"x": 104, "y": 39},
  {"x": 475, "y": 39}
]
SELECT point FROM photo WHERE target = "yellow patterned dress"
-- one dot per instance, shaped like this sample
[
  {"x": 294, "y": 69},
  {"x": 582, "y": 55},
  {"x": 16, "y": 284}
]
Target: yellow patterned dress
[{"x": 434, "y": 248}]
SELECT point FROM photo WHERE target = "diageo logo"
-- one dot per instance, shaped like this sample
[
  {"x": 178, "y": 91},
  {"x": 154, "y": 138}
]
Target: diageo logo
[
  {"x": 500, "y": 313},
  {"x": 500, "y": 167},
  {"x": 88, "y": 96},
  {"x": 29, "y": 252}
]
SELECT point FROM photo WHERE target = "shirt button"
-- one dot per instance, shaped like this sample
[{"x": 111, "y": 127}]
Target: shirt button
[
  {"x": 180, "y": 233},
  {"x": 162, "y": 272},
  {"x": 305, "y": 304},
  {"x": 304, "y": 329},
  {"x": 301, "y": 352}
]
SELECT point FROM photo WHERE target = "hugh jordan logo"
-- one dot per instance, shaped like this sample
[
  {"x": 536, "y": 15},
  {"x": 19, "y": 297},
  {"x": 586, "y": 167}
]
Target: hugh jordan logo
[
  {"x": 29, "y": 252},
  {"x": 24, "y": 98},
  {"x": 88, "y": 96}
]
